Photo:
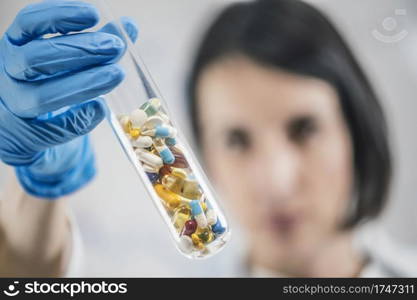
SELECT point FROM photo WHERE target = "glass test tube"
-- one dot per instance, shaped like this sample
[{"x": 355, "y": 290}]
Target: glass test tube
[{"x": 164, "y": 161}]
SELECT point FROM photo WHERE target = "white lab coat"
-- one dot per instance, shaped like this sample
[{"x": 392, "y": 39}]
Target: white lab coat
[{"x": 386, "y": 257}]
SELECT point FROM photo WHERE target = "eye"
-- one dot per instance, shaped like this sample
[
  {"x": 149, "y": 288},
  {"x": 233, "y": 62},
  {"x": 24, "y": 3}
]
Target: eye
[
  {"x": 302, "y": 128},
  {"x": 238, "y": 139}
]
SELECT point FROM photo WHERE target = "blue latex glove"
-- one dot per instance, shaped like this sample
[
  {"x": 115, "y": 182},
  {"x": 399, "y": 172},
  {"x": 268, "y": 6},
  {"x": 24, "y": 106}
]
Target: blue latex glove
[{"x": 45, "y": 91}]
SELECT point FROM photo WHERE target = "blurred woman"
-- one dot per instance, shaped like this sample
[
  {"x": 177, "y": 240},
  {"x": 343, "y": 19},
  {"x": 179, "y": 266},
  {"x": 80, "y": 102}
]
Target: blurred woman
[{"x": 293, "y": 137}]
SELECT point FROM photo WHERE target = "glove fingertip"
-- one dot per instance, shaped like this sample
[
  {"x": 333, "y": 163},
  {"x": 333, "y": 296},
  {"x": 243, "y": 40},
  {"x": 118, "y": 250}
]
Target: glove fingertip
[
  {"x": 98, "y": 110},
  {"x": 131, "y": 28}
]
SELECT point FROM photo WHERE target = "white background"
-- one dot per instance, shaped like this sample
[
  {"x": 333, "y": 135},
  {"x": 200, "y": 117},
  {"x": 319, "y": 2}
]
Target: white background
[{"x": 122, "y": 231}]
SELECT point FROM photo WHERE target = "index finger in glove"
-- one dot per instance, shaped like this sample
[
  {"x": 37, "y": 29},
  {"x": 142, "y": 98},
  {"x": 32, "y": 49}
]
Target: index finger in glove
[{"x": 51, "y": 17}]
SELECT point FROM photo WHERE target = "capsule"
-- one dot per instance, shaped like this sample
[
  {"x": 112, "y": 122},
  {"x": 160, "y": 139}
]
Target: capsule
[
  {"x": 197, "y": 241},
  {"x": 170, "y": 141},
  {"x": 180, "y": 161},
  {"x": 164, "y": 152},
  {"x": 153, "y": 177},
  {"x": 134, "y": 133},
  {"x": 143, "y": 142},
  {"x": 151, "y": 107},
  {"x": 211, "y": 215},
  {"x": 198, "y": 213},
  {"x": 171, "y": 199},
  {"x": 218, "y": 228},
  {"x": 186, "y": 244},
  {"x": 165, "y": 170},
  {"x": 164, "y": 117},
  {"x": 179, "y": 173},
  {"x": 173, "y": 183},
  {"x": 152, "y": 122},
  {"x": 149, "y": 158},
  {"x": 190, "y": 226},
  {"x": 138, "y": 118},
  {"x": 125, "y": 123},
  {"x": 161, "y": 131},
  {"x": 191, "y": 190},
  {"x": 182, "y": 215},
  {"x": 205, "y": 235},
  {"x": 150, "y": 169}
]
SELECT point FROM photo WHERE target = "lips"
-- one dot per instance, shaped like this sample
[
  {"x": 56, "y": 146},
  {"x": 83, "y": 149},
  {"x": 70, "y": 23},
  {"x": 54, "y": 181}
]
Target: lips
[{"x": 283, "y": 223}]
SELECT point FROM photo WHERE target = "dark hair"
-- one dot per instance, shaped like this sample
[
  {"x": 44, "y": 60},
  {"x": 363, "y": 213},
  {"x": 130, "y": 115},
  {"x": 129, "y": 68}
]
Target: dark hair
[{"x": 294, "y": 36}]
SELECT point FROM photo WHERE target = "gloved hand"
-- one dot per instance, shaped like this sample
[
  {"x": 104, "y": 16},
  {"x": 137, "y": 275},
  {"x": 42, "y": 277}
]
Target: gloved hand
[{"x": 46, "y": 87}]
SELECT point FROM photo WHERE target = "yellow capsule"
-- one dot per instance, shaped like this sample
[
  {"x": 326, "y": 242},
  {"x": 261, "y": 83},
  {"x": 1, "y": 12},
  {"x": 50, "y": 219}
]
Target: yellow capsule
[
  {"x": 205, "y": 235},
  {"x": 179, "y": 173},
  {"x": 173, "y": 183},
  {"x": 197, "y": 241},
  {"x": 191, "y": 190},
  {"x": 181, "y": 215},
  {"x": 176, "y": 183},
  {"x": 171, "y": 199},
  {"x": 203, "y": 205},
  {"x": 134, "y": 133}
]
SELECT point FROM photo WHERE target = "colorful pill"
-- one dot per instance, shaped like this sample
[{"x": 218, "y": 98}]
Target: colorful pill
[
  {"x": 170, "y": 141},
  {"x": 164, "y": 117},
  {"x": 138, "y": 118},
  {"x": 143, "y": 142},
  {"x": 218, "y": 228},
  {"x": 171, "y": 199},
  {"x": 125, "y": 122},
  {"x": 180, "y": 161},
  {"x": 197, "y": 241},
  {"x": 182, "y": 215},
  {"x": 173, "y": 183},
  {"x": 198, "y": 213},
  {"x": 152, "y": 122},
  {"x": 161, "y": 131},
  {"x": 211, "y": 215},
  {"x": 164, "y": 152},
  {"x": 167, "y": 156},
  {"x": 186, "y": 244},
  {"x": 179, "y": 173},
  {"x": 134, "y": 133},
  {"x": 151, "y": 107},
  {"x": 191, "y": 190},
  {"x": 149, "y": 169},
  {"x": 153, "y": 177},
  {"x": 190, "y": 227},
  {"x": 165, "y": 170},
  {"x": 150, "y": 159},
  {"x": 205, "y": 235}
]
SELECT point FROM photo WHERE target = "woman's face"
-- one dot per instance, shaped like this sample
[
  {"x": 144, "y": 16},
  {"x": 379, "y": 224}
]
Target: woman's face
[{"x": 278, "y": 150}]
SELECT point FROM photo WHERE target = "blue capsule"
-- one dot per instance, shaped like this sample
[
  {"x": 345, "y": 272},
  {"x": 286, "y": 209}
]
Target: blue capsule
[
  {"x": 153, "y": 177},
  {"x": 196, "y": 208},
  {"x": 167, "y": 156},
  {"x": 218, "y": 228},
  {"x": 170, "y": 141},
  {"x": 197, "y": 212},
  {"x": 161, "y": 132}
]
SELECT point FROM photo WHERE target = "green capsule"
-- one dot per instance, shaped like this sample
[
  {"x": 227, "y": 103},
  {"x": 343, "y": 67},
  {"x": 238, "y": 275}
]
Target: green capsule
[{"x": 151, "y": 107}]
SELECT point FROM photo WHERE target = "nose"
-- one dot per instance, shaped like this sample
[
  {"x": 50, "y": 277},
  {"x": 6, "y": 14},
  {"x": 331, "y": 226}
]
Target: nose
[{"x": 279, "y": 164}]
